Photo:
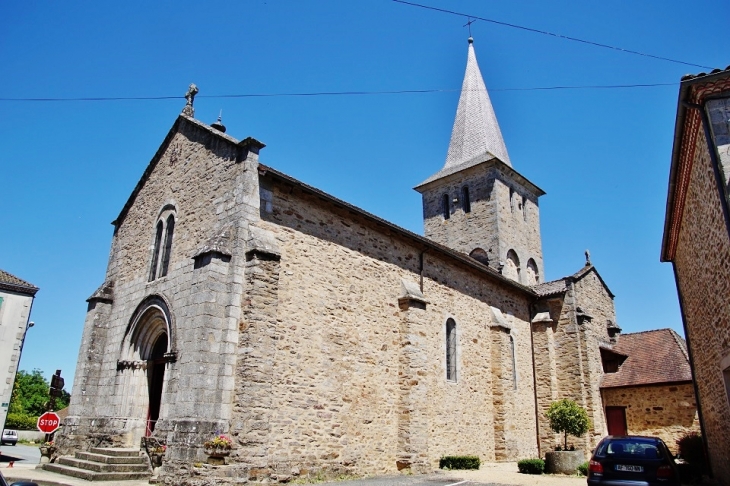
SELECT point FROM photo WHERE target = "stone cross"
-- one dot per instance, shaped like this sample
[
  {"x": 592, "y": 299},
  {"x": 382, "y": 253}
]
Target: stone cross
[{"x": 190, "y": 97}]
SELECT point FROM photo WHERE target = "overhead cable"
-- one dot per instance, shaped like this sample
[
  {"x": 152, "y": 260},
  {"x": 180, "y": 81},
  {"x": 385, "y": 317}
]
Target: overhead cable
[{"x": 544, "y": 32}]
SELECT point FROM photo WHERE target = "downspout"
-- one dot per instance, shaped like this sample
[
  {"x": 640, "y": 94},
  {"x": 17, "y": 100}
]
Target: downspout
[{"x": 531, "y": 312}]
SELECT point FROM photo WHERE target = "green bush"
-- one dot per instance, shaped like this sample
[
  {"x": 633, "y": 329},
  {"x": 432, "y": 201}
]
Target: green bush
[
  {"x": 583, "y": 469},
  {"x": 459, "y": 462},
  {"x": 531, "y": 466},
  {"x": 568, "y": 417},
  {"x": 21, "y": 421}
]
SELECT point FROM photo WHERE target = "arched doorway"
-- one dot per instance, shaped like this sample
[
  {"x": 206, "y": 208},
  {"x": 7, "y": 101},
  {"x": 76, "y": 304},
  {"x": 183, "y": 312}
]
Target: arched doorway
[
  {"x": 145, "y": 355},
  {"x": 155, "y": 380}
]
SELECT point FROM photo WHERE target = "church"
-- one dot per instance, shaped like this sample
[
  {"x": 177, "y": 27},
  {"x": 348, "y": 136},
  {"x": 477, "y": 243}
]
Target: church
[{"x": 323, "y": 339}]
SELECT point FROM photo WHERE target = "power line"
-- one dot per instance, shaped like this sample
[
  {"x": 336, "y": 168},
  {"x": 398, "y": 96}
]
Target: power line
[
  {"x": 544, "y": 32},
  {"x": 334, "y": 93}
]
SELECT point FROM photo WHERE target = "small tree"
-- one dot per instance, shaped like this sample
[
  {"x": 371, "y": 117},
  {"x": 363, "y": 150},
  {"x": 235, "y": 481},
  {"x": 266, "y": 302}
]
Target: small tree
[{"x": 568, "y": 417}]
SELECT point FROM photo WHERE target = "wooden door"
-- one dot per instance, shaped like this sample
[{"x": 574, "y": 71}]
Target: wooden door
[{"x": 616, "y": 420}]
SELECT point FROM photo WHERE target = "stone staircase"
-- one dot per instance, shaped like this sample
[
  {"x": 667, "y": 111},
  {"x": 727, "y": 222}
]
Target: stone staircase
[{"x": 103, "y": 464}]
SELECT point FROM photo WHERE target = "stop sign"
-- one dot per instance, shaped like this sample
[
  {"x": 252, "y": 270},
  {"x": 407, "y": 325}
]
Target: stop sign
[{"x": 49, "y": 422}]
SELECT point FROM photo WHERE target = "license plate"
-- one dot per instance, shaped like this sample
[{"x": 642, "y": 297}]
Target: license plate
[{"x": 627, "y": 468}]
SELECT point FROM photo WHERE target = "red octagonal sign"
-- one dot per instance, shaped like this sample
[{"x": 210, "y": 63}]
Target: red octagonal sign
[{"x": 49, "y": 422}]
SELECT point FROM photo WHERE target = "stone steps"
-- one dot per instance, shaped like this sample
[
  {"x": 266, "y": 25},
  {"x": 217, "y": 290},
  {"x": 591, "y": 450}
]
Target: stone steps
[{"x": 103, "y": 464}]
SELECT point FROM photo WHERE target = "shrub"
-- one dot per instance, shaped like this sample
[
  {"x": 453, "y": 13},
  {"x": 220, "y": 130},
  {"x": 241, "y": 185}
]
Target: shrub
[
  {"x": 691, "y": 449},
  {"x": 568, "y": 417},
  {"x": 531, "y": 466},
  {"x": 583, "y": 469},
  {"x": 459, "y": 462},
  {"x": 21, "y": 421}
]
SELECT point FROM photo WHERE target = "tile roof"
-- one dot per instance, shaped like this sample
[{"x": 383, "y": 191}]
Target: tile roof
[
  {"x": 553, "y": 287},
  {"x": 654, "y": 357},
  {"x": 10, "y": 282}
]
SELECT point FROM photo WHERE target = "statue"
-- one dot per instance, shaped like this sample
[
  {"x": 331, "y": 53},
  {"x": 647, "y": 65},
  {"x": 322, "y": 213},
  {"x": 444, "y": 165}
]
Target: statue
[
  {"x": 588, "y": 258},
  {"x": 190, "y": 97}
]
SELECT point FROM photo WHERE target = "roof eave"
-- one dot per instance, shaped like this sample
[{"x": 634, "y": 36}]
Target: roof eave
[{"x": 465, "y": 259}]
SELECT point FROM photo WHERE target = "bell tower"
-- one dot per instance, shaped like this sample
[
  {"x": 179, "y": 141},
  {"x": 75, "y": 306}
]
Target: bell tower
[{"x": 477, "y": 203}]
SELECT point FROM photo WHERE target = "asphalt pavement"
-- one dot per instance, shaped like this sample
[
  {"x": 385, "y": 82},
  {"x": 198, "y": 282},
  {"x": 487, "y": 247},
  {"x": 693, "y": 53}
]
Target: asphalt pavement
[{"x": 19, "y": 454}]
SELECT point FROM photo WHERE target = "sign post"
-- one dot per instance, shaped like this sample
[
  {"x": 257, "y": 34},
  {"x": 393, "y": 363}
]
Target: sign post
[{"x": 49, "y": 422}]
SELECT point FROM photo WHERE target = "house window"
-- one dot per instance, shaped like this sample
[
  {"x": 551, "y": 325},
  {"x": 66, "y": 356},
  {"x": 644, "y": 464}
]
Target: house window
[
  {"x": 466, "y": 203},
  {"x": 451, "y": 350},
  {"x": 162, "y": 250},
  {"x": 445, "y": 206}
]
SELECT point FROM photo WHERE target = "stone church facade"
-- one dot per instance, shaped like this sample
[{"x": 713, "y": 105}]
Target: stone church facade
[{"x": 321, "y": 338}]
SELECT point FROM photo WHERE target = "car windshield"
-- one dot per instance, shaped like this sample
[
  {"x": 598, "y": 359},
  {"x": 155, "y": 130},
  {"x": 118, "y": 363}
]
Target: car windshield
[{"x": 631, "y": 448}]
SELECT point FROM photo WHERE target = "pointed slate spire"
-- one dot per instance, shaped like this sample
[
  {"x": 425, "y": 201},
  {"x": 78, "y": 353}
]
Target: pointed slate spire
[{"x": 476, "y": 131}]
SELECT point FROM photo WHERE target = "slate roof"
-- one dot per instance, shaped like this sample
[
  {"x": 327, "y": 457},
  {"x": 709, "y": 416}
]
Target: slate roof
[
  {"x": 8, "y": 281},
  {"x": 654, "y": 357},
  {"x": 476, "y": 131},
  {"x": 555, "y": 287}
]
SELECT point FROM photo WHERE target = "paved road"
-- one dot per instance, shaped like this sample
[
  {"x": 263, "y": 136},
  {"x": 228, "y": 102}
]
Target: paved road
[
  {"x": 430, "y": 480},
  {"x": 20, "y": 454}
]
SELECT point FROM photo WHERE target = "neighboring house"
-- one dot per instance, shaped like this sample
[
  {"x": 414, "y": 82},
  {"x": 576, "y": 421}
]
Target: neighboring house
[
  {"x": 240, "y": 300},
  {"x": 697, "y": 242},
  {"x": 16, "y": 300},
  {"x": 647, "y": 388}
]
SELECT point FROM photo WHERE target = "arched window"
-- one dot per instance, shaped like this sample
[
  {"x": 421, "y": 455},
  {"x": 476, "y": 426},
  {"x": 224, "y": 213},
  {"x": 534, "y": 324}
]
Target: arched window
[
  {"x": 512, "y": 266},
  {"x": 480, "y": 255},
  {"x": 445, "y": 206},
  {"x": 451, "y": 350},
  {"x": 465, "y": 201},
  {"x": 162, "y": 251},
  {"x": 156, "y": 252},
  {"x": 168, "y": 245},
  {"x": 514, "y": 361},
  {"x": 524, "y": 208},
  {"x": 533, "y": 276}
]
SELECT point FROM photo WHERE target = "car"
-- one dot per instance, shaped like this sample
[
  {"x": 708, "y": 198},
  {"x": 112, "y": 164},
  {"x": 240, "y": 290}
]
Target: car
[
  {"x": 3, "y": 482},
  {"x": 629, "y": 460},
  {"x": 9, "y": 437}
]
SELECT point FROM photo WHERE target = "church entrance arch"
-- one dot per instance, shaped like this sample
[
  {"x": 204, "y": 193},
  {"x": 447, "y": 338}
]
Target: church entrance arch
[{"x": 145, "y": 354}]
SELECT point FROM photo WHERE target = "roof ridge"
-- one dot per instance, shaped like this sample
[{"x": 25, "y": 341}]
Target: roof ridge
[{"x": 681, "y": 343}]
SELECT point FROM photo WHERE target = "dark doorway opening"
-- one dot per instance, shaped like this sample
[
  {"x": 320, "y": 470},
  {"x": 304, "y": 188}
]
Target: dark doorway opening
[
  {"x": 155, "y": 380},
  {"x": 616, "y": 420}
]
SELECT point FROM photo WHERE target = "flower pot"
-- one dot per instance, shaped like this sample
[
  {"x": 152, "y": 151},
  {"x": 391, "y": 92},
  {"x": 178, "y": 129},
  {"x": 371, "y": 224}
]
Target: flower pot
[
  {"x": 156, "y": 459},
  {"x": 217, "y": 455},
  {"x": 563, "y": 462},
  {"x": 46, "y": 453}
]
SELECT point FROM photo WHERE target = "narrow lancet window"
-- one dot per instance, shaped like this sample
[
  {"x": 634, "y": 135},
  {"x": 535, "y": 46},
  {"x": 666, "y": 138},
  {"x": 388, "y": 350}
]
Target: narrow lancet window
[
  {"x": 169, "y": 230},
  {"x": 451, "y": 350},
  {"x": 445, "y": 206},
  {"x": 156, "y": 252},
  {"x": 466, "y": 203}
]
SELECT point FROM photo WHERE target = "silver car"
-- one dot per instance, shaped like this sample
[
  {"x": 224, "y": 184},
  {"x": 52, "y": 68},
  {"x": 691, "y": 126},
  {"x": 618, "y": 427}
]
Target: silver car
[{"x": 9, "y": 437}]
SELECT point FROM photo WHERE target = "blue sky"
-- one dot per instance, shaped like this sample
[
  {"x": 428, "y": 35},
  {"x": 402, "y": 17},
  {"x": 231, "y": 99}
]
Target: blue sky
[{"x": 602, "y": 155}]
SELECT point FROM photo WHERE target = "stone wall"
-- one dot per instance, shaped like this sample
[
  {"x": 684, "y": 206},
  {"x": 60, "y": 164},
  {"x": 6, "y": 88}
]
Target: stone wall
[
  {"x": 702, "y": 264},
  {"x": 201, "y": 176},
  {"x": 504, "y": 216},
  {"x": 665, "y": 411},
  {"x": 567, "y": 356},
  {"x": 360, "y": 383}
]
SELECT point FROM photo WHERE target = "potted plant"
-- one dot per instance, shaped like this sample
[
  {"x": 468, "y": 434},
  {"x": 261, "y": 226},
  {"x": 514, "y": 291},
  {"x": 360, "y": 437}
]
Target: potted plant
[
  {"x": 218, "y": 448},
  {"x": 568, "y": 418}
]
